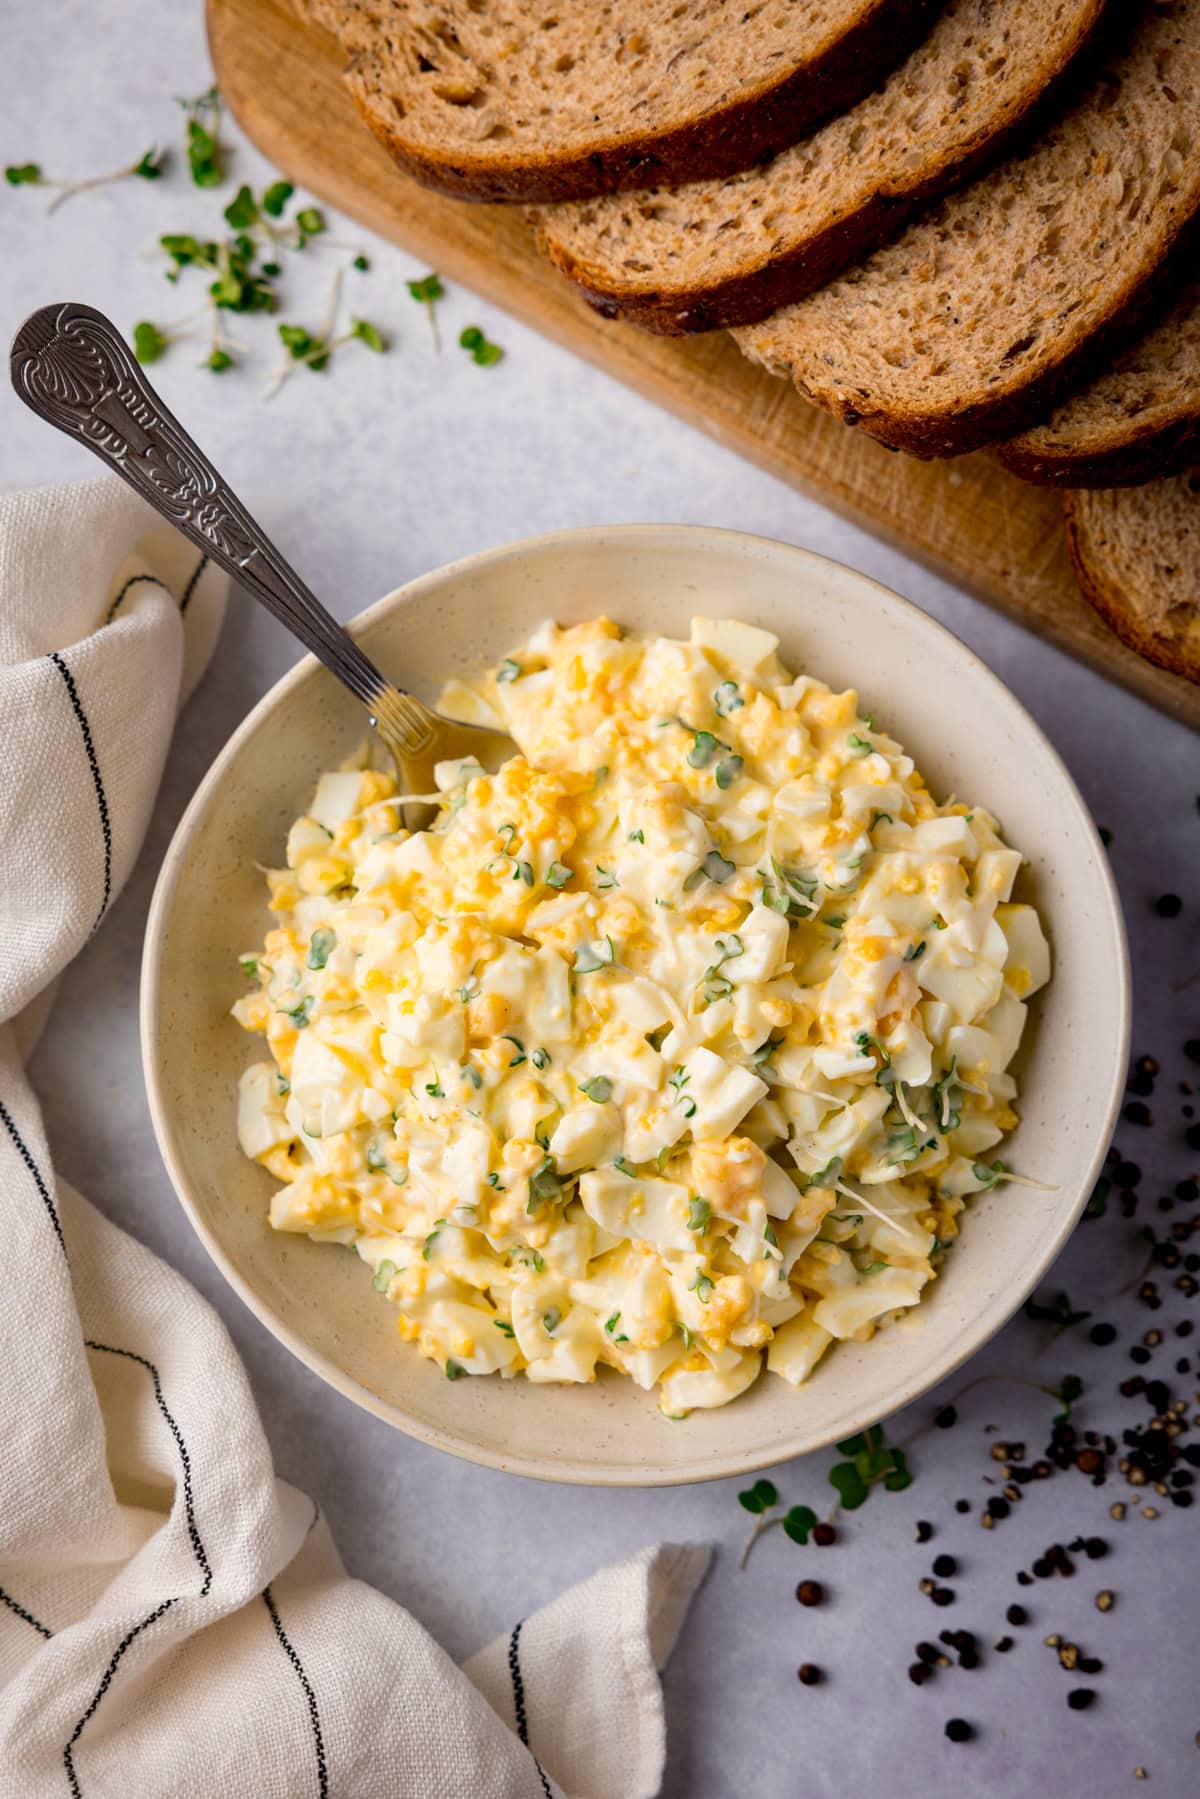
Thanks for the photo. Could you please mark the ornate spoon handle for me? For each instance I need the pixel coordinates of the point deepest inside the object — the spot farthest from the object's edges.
(71, 365)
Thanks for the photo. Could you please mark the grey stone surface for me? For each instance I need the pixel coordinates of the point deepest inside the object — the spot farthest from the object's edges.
(378, 470)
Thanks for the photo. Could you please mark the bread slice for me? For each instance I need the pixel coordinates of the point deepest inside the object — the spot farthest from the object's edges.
(533, 100)
(970, 325)
(1140, 421)
(729, 252)
(1136, 552)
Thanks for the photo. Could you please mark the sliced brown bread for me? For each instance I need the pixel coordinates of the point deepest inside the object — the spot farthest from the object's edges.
(1139, 421)
(729, 252)
(982, 313)
(519, 100)
(1136, 552)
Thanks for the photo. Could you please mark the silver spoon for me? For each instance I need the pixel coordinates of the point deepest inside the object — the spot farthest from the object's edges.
(72, 367)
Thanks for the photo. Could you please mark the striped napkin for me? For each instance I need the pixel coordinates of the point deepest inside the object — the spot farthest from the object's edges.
(174, 1620)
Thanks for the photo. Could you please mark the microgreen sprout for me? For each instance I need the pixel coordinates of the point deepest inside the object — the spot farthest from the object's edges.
(321, 947)
(699, 1213)
(149, 166)
(202, 138)
(481, 351)
(427, 292)
(727, 699)
(384, 1275)
(599, 1089)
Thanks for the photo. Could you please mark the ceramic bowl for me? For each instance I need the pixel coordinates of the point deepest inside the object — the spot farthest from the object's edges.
(968, 735)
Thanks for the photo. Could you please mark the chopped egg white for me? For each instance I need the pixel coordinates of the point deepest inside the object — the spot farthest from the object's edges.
(672, 1046)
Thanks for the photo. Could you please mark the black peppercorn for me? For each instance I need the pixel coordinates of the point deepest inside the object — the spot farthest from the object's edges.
(958, 1730)
(1168, 905)
(809, 1674)
(945, 1417)
(824, 1534)
(924, 1530)
(944, 1566)
(810, 1592)
(1079, 1698)
(1101, 1334)
(1016, 1614)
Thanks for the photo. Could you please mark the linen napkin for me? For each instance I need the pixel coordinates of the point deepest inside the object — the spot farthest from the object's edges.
(174, 1620)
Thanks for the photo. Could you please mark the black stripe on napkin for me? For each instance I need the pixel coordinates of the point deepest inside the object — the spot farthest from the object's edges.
(133, 581)
(93, 764)
(106, 1682)
(306, 1684)
(35, 1171)
(518, 1687)
(193, 583)
(13, 1606)
(185, 1459)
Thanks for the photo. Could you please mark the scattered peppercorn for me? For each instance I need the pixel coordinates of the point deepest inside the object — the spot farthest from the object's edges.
(958, 1730)
(1079, 1698)
(1102, 1334)
(1003, 1645)
(962, 1505)
(824, 1534)
(942, 1596)
(1168, 905)
(945, 1566)
(924, 1530)
(945, 1417)
(809, 1674)
(919, 1673)
(1105, 1601)
(1137, 1112)
(810, 1592)
(1016, 1614)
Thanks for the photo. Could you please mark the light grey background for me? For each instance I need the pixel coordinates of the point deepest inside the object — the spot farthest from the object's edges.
(372, 473)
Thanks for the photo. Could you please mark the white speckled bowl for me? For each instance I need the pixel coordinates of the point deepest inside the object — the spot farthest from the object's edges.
(968, 736)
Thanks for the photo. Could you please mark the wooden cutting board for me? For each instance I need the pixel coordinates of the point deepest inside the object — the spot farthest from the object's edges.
(968, 520)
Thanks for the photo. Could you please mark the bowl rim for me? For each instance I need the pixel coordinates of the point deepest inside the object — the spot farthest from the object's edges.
(567, 1471)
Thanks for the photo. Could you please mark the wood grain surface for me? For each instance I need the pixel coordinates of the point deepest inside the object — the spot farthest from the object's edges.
(968, 520)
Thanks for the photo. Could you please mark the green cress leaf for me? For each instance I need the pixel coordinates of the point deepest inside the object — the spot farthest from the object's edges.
(518, 1046)
(242, 211)
(850, 1489)
(859, 745)
(23, 174)
(717, 867)
(915, 951)
(759, 1498)
(383, 1276)
(509, 670)
(368, 334)
(544, 1184)
(249, 967)
(150, 165)
(428, 289)
(727, 699)
(798, 1521)
(472, 339)
(989, 1177)
(361, 263)
(728, 771)
(702, 1287)
(599, 1089)
(699, 1213)
(504, 1327)
(557, 875)
(852, 1445)
(322, 946)
(301, 1013)
(551, 1320)
(276, 197)
(218, 361)
(588, 960)
(431, 1239)
(310, 222)
(149, 342)
(454, 1370)
(540, 1058)
(704, 748)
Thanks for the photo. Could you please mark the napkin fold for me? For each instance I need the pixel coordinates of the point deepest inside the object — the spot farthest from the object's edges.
(174, 1620)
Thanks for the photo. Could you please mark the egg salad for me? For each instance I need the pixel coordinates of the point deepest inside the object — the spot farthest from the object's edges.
(675, 1045)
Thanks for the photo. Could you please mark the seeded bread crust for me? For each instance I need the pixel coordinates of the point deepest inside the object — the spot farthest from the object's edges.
(448, 122)
(982, 75)
(1140, 421)
(1136, 553)
(1009, 294)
